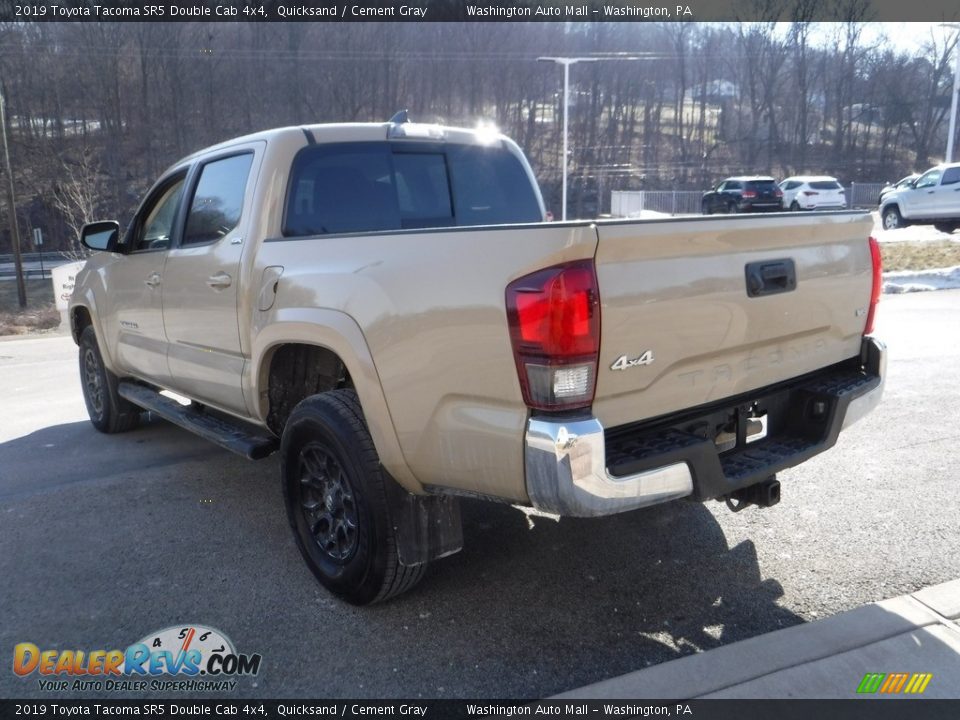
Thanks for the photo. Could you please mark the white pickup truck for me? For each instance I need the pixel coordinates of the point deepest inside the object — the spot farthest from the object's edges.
(931, 199)
(385, 306)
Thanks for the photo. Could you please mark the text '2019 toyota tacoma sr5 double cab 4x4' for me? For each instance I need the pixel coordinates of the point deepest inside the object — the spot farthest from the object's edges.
(384, 306)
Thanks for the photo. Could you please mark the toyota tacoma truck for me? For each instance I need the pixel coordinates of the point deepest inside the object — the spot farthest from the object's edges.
(385, 307)
(931, 199)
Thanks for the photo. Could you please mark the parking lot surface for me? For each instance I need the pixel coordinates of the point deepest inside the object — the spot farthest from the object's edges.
(104, 539)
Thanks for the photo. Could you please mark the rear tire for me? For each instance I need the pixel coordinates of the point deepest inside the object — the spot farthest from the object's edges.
(892, 219)
(794, 206)
(336, 500)
(108, 412)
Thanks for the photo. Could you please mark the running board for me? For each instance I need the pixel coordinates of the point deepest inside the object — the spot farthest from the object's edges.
(236, 436)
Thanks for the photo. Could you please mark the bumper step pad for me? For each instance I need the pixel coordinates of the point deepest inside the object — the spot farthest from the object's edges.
(805, 418)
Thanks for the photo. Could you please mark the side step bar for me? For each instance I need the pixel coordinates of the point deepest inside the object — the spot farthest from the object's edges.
(247, 440)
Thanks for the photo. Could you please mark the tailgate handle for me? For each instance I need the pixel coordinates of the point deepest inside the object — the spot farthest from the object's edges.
(770, 277)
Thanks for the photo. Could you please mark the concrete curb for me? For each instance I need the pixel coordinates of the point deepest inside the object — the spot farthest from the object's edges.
(915, 633)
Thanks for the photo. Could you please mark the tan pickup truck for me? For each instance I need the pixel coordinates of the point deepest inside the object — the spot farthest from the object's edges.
(385, 306)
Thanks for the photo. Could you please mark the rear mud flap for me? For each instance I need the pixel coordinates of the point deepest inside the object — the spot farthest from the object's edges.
(427, 527)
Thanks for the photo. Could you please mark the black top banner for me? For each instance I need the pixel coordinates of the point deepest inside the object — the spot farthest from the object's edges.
(477, 11)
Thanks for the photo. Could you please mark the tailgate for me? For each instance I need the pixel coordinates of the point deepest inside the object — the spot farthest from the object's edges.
(679, 329)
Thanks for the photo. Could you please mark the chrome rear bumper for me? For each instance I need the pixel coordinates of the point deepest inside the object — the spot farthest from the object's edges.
(566, 463)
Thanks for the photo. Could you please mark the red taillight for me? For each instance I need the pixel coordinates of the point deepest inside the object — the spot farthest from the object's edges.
(778, 193)
(749, 193)
(554, 319)
(877, 284)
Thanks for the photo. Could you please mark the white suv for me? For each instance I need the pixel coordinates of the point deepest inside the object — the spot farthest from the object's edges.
(813, 192)
(932, 199)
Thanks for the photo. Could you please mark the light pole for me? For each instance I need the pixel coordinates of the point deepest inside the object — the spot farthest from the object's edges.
(566, 62)
(12, 207)
(956, 92)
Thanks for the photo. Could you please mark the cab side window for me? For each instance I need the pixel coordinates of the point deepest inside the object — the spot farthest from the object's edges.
(218, 199)
(928, 179)
(155, 226)
(951, 176)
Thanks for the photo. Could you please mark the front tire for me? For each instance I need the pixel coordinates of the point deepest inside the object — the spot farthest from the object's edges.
(108, 412)
(705, 208)
(336, 500)
(892, 219)
(732, 208)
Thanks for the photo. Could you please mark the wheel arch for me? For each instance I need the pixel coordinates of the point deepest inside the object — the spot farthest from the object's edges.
(82, 313)
(328, 337)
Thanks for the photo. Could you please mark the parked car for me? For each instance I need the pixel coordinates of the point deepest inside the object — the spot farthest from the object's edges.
(384, 306)
(743, 194)
(813, 192)
(932, 199)
(901, 183)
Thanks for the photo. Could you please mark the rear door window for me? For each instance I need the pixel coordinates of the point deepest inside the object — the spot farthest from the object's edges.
(951, 176)
(218, 199)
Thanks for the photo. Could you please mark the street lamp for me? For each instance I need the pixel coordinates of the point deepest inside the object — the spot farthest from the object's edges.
(956, 92)
(566, 62)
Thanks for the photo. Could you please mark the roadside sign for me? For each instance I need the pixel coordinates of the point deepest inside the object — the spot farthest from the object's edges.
(37, 237)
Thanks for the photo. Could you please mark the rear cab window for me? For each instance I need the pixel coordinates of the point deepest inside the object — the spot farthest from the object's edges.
(384, 186)
(761, 185)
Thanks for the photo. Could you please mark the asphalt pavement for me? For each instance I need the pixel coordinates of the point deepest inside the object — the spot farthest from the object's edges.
(104, 539)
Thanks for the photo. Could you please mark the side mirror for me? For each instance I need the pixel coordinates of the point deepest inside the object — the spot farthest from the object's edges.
(102, 235)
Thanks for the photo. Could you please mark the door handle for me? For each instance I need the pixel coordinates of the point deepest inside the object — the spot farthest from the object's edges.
(220, 281)
(152, 280)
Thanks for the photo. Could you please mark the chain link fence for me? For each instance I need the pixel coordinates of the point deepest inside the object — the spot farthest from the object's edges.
(630, 203)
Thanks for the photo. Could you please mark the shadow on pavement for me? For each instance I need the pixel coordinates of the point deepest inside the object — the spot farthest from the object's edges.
(112, 537)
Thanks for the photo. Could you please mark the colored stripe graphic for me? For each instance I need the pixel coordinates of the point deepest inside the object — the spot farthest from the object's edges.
(894, 683)
(871, 682)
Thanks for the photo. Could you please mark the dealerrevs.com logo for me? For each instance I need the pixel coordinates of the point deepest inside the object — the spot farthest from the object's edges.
(178, 658)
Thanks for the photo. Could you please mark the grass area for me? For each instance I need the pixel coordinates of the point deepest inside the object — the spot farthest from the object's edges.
(920, 255)
(41, 311)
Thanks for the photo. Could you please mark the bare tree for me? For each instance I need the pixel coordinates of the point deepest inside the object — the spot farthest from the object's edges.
(75, 196)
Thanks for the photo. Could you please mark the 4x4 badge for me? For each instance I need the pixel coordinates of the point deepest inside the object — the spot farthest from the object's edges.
(623, 362)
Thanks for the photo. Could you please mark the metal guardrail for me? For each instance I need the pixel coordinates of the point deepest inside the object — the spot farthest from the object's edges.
(11, 274)
(54, 257)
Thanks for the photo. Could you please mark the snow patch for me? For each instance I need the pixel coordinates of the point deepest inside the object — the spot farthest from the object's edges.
(904, 281)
